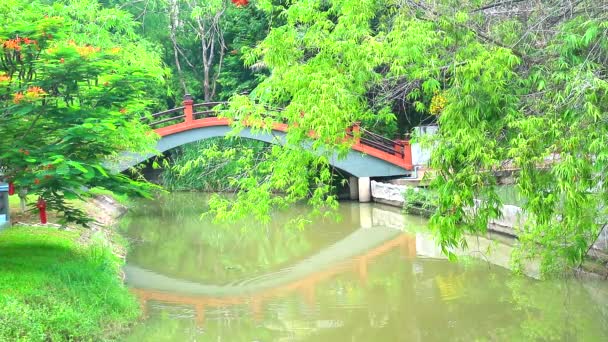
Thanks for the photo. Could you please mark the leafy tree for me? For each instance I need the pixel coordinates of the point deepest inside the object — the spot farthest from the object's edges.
(532, 98)
(74, 81)
(327, 61)
(523, 92)
(244, 27)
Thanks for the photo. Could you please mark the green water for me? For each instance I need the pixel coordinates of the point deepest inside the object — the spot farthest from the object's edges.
(373, 275)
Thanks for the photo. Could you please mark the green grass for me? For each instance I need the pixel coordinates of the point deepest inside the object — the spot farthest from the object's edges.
(52, 289)
(15, 202)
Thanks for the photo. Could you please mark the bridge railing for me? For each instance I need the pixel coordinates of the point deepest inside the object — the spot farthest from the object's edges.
(165, 118)
(205, 110)
(186, 113)
(382, 143)
(399, 148)
(190, 112)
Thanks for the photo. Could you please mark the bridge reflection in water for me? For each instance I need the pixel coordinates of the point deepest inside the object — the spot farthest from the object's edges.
(381, 231)
(406, 243)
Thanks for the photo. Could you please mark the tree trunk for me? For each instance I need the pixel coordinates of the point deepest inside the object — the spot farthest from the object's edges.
(23, 199)
(173, 25)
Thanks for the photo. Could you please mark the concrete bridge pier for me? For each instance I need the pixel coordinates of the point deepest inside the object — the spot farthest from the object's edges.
(364, 189)
(360, 189)
(353, 187)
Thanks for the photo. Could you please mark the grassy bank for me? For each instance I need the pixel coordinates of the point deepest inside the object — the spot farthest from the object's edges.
(54, 286)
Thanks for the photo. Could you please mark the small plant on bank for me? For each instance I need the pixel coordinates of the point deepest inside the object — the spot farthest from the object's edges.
(419, 201)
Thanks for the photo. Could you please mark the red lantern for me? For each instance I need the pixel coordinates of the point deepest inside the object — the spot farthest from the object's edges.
(41, 205)
(11, 189)
(240, 3)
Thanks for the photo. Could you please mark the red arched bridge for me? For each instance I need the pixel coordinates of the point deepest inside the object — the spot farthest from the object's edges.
(370, 155)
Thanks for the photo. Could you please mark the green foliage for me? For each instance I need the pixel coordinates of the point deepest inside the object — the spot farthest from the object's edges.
(211, 165)
(538, 109)
(320, 66)
(69, 105)
(244, 27)
(469, 149)
(325, 61)
(53, 289)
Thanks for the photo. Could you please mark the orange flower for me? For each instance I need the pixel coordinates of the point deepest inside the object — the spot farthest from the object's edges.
(123, 110)
(37, 181)
(17, 98)
(62, 60)
(4, 78)
(13, 44)
(34, 93)
(240, 3)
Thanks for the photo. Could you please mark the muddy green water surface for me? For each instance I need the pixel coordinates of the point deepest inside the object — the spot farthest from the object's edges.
(374, 275)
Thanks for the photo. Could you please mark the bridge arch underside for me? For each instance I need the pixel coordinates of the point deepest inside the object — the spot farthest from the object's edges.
(355, 163)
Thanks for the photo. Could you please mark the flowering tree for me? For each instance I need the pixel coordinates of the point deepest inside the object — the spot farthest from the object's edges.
(67, 105)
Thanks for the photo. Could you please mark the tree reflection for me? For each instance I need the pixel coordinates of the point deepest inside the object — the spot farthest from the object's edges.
(555, 310)
(174, 240)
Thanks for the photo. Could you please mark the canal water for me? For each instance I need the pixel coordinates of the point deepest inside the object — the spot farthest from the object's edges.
(366, 274)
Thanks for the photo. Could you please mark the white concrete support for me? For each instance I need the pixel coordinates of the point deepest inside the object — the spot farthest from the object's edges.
(389, 192)
(365, 189)
(353, 186)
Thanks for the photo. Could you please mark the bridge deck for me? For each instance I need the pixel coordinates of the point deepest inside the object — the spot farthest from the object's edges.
(205, 115)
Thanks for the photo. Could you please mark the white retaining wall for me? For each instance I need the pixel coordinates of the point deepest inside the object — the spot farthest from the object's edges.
(511, 215)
